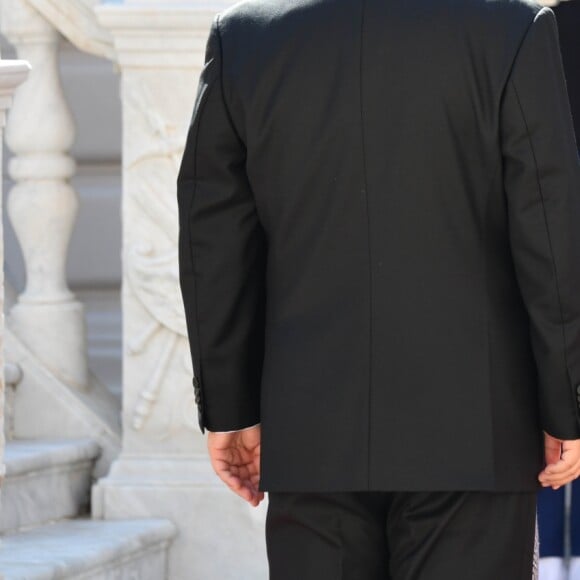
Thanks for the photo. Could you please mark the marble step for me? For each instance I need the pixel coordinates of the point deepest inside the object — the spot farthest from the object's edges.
(83, 549)
(45, 480)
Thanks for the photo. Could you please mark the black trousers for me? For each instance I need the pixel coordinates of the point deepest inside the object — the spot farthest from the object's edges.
(400, 536)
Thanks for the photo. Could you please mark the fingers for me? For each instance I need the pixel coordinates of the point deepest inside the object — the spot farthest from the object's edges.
(563, 462)
(237, 464)
(250, 493)
(562, 467)
(559, 473)
(246, 489)
(565, 474)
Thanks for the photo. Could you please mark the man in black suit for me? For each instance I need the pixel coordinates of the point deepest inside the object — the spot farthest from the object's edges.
(379, 208)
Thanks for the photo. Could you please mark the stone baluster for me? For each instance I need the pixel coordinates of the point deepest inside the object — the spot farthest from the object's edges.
(42, 204)
(12, 73)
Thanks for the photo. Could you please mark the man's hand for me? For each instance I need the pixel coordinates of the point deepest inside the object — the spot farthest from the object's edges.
(562, 462)
(235, 457)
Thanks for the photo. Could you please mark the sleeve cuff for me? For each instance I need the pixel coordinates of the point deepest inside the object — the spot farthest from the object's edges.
(234, 430)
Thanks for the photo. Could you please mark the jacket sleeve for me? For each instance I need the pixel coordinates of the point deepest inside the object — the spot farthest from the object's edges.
(541, 172)
(222, 259)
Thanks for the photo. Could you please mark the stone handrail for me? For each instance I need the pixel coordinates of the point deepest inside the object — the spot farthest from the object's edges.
(76, 21)
(12, 74)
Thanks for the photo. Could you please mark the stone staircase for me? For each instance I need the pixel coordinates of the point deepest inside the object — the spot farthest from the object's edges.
(88, 550)
(46, 529)
(45, 480)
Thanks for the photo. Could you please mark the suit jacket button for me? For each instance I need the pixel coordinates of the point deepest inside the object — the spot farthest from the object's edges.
(196, 384)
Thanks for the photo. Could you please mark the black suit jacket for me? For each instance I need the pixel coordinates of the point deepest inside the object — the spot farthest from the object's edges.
(380, 241)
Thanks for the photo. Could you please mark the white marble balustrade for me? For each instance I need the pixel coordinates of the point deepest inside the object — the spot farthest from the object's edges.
(42, 205)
